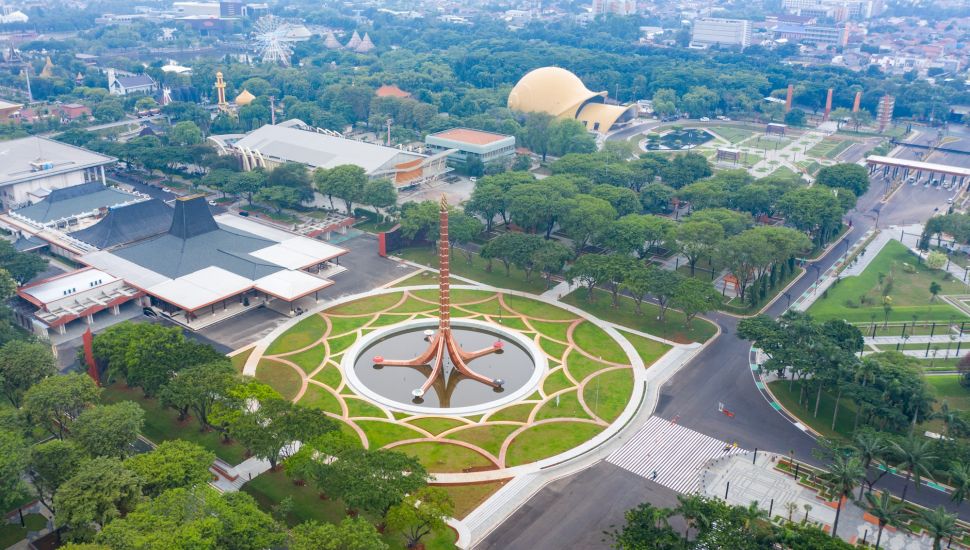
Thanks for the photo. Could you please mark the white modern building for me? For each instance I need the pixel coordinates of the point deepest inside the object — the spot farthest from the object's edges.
(486, 146)
(713, 31)
(295, 141)
(32, 167)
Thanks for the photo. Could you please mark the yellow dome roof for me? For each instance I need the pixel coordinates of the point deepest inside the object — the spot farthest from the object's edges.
(551, 90)
(245, 98)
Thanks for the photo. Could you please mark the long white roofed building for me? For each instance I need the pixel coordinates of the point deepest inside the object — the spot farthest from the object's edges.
(295, 141)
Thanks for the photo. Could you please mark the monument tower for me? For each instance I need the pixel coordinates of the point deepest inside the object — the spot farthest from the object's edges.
(443, 345)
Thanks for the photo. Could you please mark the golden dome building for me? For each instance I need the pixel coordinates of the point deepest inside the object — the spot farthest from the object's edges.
(243, 99)
(562, 94)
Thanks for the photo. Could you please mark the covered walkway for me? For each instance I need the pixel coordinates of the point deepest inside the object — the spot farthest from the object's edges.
(897, 167)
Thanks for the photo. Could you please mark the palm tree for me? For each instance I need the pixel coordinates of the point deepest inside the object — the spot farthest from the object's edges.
(844, 474)
(914, 454)
(960, 480)
(952, 419)
(885, 509)
(940, 524)
(869, 446)
(692, 509)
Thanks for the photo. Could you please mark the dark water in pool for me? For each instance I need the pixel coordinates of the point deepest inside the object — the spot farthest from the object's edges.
(513, 364)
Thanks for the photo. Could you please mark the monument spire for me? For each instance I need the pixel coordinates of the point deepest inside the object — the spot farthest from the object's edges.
(443, 343)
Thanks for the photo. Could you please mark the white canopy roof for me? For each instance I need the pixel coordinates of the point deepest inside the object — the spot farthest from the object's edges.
(290, 285)
(201, 288)
(132, 273)
(298, 253)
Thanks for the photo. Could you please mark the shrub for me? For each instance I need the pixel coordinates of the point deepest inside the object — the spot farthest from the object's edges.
(935, 260)
(851, 304)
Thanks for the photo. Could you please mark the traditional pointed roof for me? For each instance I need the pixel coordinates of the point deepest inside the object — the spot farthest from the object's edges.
(48, 70)
(331, 42)
(245, 98)
(391, 90)
(354, 41)
(365, 45)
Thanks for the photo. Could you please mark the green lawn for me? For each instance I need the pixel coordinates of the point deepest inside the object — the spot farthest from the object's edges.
(784, 171)
(272, 487)
(35, 522)
(468, 497)
(673, 329)
(10, 534)
(161, 424)
(649, 350)
(948, 387)
(282, 377)
(301, 335)
(476, 270)
(546, 440)
(823, 423)
(733, 134)
(910, 291)
(418, 279)
(239, 360)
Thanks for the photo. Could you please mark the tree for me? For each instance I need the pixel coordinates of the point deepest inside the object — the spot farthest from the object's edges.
(195, 517)
(346, 182)
(665, 102)
(56, 401)
(420, 513)
(486, 201)
(585, 218)
(536, 133)
(590, 271)
(663, 285)
(638, 234)
(279, 196)
(198, 388)
(268, 431)
(549, 258)
(474, 167)
(21, 266)
(692, 509)
(646, 527)
(380, 193)
(247, 183)
(23, 364)
(795, 117)
(52, 463)
(185, 133)
(350, 534)
(814, 210)
(14, 459)
(960, 481)
(109, 430)
(849, 176)
(696, 239)
(636, 283)
(624, 201)
(913, 455)
(940, 524)
(176, 463)
(102, 489)
(693, 297)
(886, 511)
(935, 289)
(656, 197)
(293, 175)
(843, 474)
(108, 110)
(371, 481)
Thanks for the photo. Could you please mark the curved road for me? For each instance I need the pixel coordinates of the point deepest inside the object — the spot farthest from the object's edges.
(579, 508)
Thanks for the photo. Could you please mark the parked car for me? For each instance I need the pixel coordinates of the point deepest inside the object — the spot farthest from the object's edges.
(704, 119)
(244, 213)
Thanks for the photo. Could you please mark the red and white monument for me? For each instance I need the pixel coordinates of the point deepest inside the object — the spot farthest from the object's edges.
(443, 345)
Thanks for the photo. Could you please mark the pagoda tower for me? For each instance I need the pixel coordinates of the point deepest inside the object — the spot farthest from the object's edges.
(443, 342)
(221, 92)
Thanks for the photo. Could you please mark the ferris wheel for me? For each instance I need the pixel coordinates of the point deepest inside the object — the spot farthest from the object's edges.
(269, 35)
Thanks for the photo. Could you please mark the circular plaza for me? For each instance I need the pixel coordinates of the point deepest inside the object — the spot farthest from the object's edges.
(580, 380)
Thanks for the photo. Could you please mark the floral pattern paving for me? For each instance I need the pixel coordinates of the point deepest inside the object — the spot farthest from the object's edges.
(588, 384)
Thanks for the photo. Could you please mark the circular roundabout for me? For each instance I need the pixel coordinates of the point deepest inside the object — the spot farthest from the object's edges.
(564, 383)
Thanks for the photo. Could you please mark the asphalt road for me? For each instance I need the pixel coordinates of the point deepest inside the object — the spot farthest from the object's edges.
(720, 373)
(559, 516)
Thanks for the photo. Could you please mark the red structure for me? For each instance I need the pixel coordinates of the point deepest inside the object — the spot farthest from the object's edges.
(857, 103)
(788, 98)
(443, 343)
(88, 340)
(828, 105)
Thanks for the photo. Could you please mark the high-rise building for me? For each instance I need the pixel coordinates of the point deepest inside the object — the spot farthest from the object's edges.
(614, 7)
(711, 31)
(231, 8)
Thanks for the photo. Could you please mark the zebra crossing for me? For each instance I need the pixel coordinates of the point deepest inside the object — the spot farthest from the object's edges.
(677, 454)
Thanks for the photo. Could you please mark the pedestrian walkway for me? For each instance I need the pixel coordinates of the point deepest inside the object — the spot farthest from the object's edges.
(758, 481)
(670, 454)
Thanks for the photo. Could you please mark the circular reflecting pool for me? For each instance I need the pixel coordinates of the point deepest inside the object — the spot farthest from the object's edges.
(514, 365)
